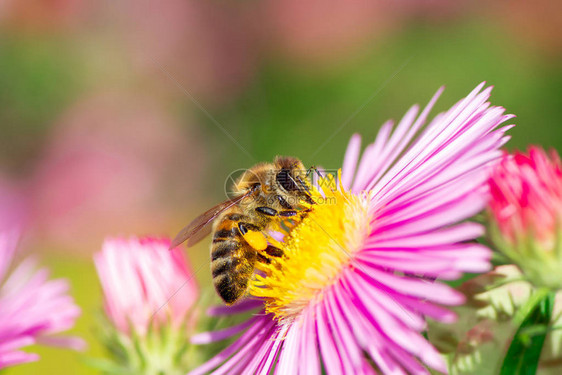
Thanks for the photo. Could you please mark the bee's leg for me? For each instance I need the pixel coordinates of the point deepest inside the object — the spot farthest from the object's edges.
(245, 227)
(267, 211)
(262, 258)
(284, 203)
(272, 212)
(269, 252)
(291, 213)
(274, 251)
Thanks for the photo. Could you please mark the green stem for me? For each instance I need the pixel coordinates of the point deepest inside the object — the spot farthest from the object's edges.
(522, 357)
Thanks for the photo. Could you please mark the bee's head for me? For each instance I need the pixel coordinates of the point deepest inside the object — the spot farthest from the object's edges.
(291, 176)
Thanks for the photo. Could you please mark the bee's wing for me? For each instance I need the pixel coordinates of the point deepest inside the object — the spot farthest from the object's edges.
(200, 227)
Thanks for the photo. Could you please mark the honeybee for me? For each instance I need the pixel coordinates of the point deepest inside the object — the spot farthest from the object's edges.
(264, 193)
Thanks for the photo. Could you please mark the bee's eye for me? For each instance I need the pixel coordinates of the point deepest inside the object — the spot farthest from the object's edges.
(285, 179)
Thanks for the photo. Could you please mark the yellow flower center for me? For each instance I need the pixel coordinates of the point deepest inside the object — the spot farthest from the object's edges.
(316, 250)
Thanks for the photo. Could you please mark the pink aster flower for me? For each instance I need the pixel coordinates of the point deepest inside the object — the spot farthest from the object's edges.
(353, 289)
(527, 194)
(139, 277)
(149, 294)
(526, 213)
(32, 307)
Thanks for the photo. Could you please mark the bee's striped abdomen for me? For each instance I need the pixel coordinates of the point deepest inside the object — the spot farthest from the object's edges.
(232, 259)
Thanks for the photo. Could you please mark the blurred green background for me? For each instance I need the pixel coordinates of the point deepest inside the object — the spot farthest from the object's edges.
(121, 118)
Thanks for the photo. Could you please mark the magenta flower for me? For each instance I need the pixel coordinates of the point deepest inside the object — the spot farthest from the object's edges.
(150, 293)
(526, 213)
(32, 307)
(527, 194)
(106, 163)
(354, 287)
(139, 277)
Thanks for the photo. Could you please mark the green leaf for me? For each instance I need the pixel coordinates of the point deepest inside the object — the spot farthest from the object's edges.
(523, 355)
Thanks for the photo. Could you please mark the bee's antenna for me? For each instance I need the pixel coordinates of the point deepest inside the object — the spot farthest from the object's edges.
(303, 185)
(313, 168)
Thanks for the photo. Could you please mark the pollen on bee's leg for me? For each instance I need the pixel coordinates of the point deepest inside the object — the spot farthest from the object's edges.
(256, 240)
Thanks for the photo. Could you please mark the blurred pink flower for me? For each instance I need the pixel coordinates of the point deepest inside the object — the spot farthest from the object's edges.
(145, 284)
(436, 10)
(32, 307)
(13, 212)
(355, 294)
(44, 15)
(535, 22)
(208, 47)
(527, 195)
(317, 29)
(116, 162)
(526, 214)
